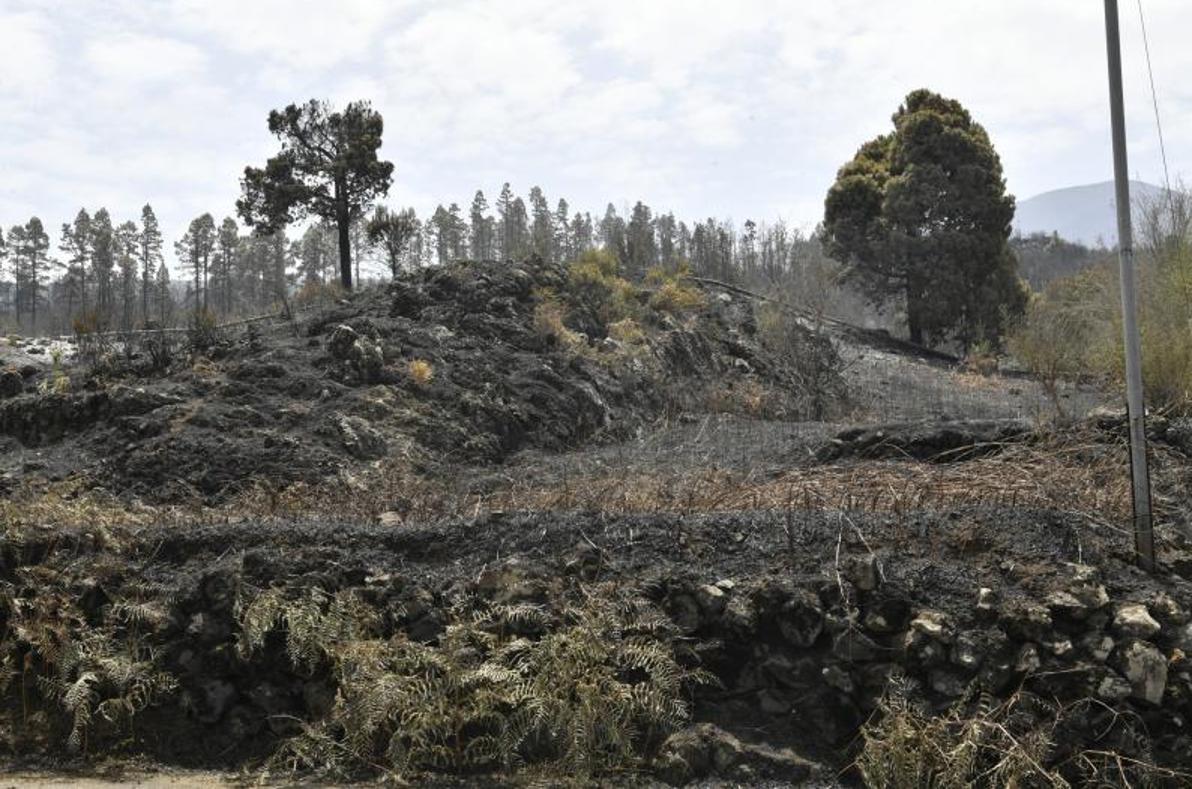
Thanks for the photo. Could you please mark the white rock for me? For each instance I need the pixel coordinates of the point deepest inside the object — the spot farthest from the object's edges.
(1132, 620)
(932, 624)
(1146, 668)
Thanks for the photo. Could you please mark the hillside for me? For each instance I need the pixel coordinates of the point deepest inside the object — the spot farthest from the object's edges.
(1086, 214)
(505, 521)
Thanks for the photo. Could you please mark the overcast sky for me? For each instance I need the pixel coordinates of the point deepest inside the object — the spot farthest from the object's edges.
(740, 109)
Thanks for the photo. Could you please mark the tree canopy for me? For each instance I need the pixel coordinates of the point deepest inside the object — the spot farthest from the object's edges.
(327, 167)
(922, 214)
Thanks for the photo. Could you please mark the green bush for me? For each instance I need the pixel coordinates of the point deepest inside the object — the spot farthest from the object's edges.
(673, 291)
(594, 281)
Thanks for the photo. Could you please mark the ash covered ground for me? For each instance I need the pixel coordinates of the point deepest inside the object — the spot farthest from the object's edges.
(423, 531)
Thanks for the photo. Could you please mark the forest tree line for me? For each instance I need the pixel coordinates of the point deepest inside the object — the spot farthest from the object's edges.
(102, 275)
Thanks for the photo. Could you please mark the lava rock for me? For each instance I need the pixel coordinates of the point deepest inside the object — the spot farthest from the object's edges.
(1132, 620)
(1146, 669)
(11, 383)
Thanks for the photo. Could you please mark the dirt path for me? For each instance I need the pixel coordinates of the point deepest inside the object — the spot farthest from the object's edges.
(123, 778)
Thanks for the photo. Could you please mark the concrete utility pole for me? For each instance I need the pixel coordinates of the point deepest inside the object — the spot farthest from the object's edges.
(1144, 536)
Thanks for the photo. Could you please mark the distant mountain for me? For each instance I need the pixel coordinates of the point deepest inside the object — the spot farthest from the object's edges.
(1086, 214)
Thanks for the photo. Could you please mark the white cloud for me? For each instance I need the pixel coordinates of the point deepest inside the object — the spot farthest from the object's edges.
(136, 61)
(28, 65)
(302, 34)
(709, 108)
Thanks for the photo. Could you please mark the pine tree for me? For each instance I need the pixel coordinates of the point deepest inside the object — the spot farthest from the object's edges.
(921, 215)
(639, 241)
(748, 257)
(150, 244)
(393, 233)
(481, 240)
(612, 234)
(505, 221)
(327, 167)
(76, 245)
(126, 238)
(458, 233)
(666, 232)
(3, 261)
(542, 230)
(316, 253)
(440, 222)
(102, 262)
(165, 306)
(194, 250)
(30, 261)
(223, 267)
(564, 251)
(519, 231)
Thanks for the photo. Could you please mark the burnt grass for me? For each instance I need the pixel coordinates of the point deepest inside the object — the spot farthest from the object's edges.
(299, 402)
(804, 610)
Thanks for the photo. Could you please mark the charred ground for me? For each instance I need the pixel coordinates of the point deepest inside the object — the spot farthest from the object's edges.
(217, 555)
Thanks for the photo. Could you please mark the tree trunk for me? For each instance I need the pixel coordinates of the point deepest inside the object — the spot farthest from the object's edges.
(343, 223)
(914, 317)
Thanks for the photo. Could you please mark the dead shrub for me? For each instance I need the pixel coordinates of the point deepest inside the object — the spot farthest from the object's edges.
(420, 371)
(597, 691)
(981, 741)
(204, 331)
(807, 358)
(313, 294)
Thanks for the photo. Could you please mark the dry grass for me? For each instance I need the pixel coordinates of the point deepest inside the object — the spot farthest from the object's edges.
(420, 371)
(1083, 475)
(70, 504)
(1070, 476)
(981, 741)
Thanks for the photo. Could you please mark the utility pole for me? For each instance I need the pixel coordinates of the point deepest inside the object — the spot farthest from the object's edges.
(1144, 536)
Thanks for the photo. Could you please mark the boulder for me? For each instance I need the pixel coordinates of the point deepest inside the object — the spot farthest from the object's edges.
(1114, 688)
(705, 751)
(11, 383)
(1026, 620)
(359, 439)
(1146, 669)
(801, 618)
(855, 647)
(1167, 611)
(1132, 620)
(343, 337)
(1097, 646)
(934, 625)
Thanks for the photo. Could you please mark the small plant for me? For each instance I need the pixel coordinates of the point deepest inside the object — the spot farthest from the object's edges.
(627, 331)
(981, 358)
(549, 313)
(58, 382)
(420, 371)
(674, 293)
(88, 331)
(594, 281)
(204, 330)
(676, 298)
(160, 349)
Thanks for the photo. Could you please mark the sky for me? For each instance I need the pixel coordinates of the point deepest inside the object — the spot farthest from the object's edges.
(735, 110)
